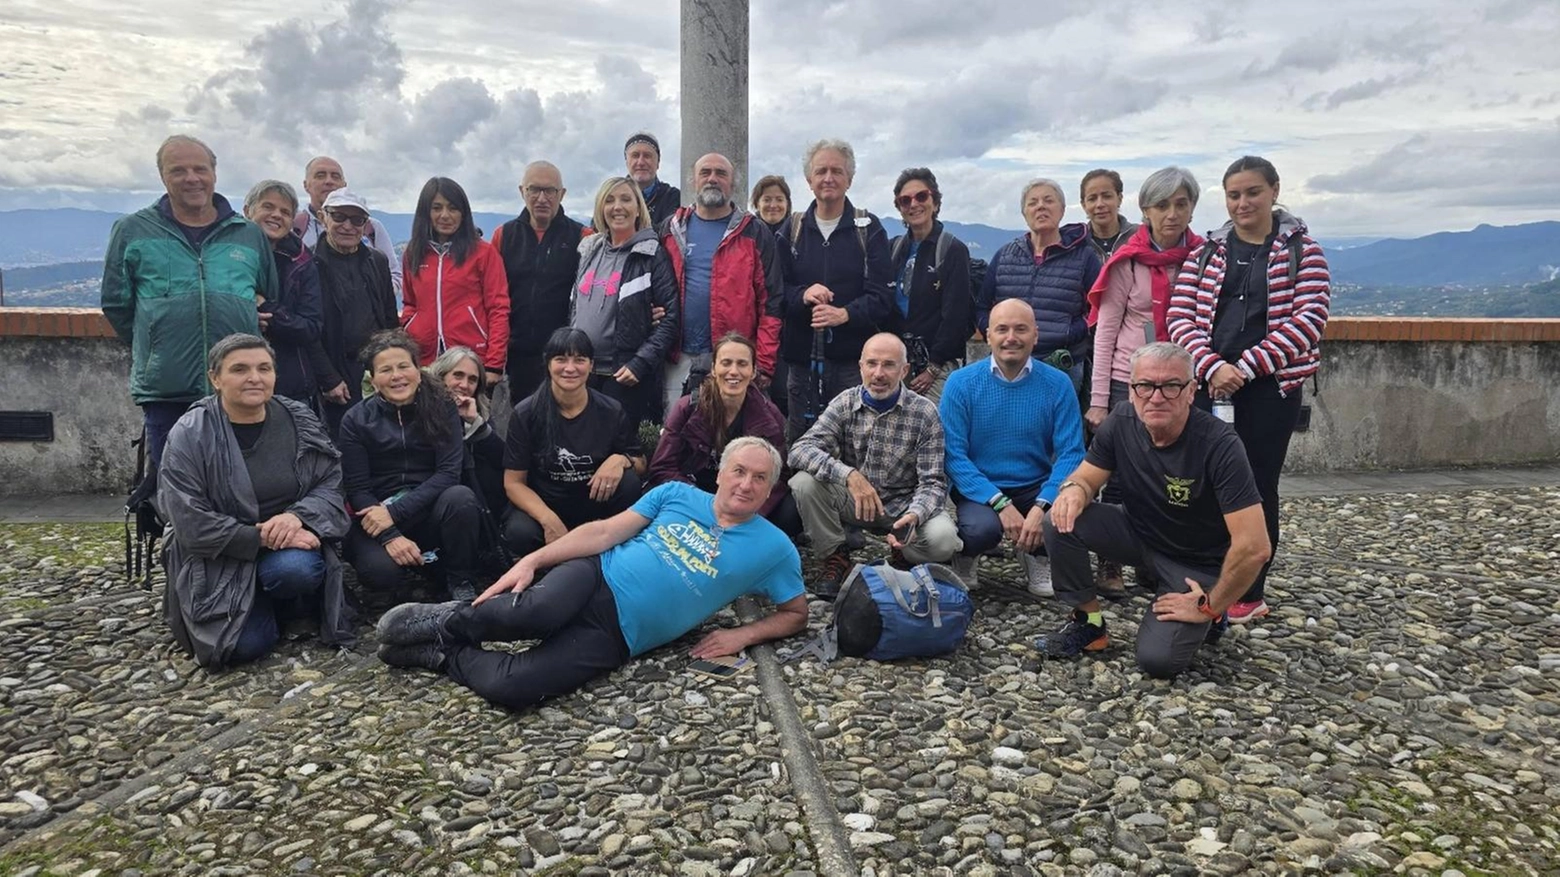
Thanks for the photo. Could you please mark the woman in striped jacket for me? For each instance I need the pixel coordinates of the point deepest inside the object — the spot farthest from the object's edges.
(1250, 305)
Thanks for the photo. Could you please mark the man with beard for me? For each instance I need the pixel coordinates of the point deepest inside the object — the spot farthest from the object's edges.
(874, 460)
(728, 273)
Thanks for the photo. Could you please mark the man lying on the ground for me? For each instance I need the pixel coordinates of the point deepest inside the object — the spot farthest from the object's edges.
(616, 589)
(1190, 513)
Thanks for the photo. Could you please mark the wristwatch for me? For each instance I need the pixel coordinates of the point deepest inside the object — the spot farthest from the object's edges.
(1206, 608)
(1071, 483)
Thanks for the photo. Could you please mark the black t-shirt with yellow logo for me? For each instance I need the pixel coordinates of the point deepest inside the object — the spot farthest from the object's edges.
(1176, 497)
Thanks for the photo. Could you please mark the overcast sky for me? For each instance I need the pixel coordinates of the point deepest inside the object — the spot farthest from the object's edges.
(1397, 117)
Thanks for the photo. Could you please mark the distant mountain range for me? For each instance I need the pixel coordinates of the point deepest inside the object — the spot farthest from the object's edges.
(54, 257)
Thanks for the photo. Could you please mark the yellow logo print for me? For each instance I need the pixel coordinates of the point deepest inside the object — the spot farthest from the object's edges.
(1179, 490)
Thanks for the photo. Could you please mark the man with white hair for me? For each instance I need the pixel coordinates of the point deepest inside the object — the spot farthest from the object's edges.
(616, 589)
(837, 285)
(321, 176)
(1190, 514)
(728, 271)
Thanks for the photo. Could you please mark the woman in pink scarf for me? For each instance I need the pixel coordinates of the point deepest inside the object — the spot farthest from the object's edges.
(1128, 302)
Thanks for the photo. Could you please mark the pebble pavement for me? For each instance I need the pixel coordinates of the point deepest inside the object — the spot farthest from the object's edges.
(1398, 713)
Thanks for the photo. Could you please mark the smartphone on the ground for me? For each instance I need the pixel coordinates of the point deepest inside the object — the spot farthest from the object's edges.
(720, 668)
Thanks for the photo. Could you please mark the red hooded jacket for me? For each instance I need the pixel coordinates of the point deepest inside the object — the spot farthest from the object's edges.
(745, 281)
(447, 305)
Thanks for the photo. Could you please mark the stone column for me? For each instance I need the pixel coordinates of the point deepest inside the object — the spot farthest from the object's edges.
(715, 89)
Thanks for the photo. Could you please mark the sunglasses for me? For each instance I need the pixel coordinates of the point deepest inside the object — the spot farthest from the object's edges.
(356, 220)
(920, 197)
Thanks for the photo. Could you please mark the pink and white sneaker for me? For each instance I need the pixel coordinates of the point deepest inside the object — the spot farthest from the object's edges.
(1240, 613)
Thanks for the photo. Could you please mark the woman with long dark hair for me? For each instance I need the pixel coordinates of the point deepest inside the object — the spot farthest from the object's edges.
(1250, 305)
(726, 407)
(401, 454)
(455, 292)
(572, 453)
(771, 202)
(624, 274)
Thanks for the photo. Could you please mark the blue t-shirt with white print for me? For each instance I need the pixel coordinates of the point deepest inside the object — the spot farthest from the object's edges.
(681, 569)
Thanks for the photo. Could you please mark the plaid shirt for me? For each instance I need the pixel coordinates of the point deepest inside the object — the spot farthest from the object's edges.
(900, 452)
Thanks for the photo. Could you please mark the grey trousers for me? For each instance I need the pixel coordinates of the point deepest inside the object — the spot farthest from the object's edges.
(1164, 648)
(826, 508)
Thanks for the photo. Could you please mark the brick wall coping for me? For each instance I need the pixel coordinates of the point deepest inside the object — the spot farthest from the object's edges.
(89, 323)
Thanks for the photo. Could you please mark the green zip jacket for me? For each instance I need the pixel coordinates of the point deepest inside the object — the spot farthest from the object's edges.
(171, 302)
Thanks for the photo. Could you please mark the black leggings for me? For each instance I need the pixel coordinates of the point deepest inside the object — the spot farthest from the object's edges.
(453, 527)
(1265, 421)
(571, 610)
(523, 534)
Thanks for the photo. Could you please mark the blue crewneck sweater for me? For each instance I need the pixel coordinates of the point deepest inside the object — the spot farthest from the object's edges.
(1004, 436)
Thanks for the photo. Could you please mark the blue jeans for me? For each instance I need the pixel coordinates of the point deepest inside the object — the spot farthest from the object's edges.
(282, 578)
(981, 528)
(159, 418)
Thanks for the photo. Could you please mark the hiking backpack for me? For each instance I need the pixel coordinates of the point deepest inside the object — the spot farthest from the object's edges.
(884, 614)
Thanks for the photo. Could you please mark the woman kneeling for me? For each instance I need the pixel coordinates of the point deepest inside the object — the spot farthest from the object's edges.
(401, 455)
(251, 487)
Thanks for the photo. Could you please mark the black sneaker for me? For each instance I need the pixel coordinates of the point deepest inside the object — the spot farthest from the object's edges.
(427, 656)
(835, 568)
(1073, 638)
(411, 623)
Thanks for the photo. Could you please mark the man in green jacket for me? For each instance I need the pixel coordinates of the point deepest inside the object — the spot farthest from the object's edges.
(179, 276)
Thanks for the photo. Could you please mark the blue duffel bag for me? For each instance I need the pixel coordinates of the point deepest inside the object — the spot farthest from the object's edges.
(884, 613)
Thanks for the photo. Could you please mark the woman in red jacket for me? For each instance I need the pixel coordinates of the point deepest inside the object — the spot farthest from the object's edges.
(455, 292)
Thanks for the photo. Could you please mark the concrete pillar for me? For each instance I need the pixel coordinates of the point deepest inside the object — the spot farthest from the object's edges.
(715, 88)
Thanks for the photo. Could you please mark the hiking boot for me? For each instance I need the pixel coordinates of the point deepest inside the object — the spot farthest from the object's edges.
(835, 568)
(1073, 638)
(896, 559)
(428, 656)
(965, 569)
(1242, 613)
(1217, 630)
(463, 590)
(1037, 571)
(1108, 582)
(411, 623)
(855, 540)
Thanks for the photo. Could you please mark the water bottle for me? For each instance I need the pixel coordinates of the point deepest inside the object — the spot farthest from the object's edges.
(1224, 409)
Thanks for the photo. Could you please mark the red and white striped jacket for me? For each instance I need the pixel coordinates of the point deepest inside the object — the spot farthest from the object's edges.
(1296, 313)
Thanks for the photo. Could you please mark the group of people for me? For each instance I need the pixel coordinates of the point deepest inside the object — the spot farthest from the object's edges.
(807, 372)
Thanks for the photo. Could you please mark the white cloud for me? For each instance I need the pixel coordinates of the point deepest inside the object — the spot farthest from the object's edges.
(1374, 114)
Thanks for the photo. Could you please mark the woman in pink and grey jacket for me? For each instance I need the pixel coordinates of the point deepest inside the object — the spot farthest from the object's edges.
(1250, 305)
(455, 292)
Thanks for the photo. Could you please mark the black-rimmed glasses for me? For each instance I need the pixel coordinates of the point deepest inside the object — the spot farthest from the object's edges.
(1170, 389)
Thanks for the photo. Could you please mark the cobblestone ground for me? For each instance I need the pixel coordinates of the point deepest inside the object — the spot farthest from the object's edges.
(1398, 713)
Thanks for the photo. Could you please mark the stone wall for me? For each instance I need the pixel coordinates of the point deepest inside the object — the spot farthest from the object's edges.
(1395, 394)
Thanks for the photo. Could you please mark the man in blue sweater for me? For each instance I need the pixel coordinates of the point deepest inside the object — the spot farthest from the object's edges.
(1013, 432)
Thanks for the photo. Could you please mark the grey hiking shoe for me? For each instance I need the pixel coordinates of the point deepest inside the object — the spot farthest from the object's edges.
(427, 656)
(411, 623)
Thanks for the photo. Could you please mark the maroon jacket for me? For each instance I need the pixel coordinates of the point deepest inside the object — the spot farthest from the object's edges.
(687, 443)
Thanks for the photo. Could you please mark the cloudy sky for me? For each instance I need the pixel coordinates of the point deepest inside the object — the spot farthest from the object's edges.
(1398, 117)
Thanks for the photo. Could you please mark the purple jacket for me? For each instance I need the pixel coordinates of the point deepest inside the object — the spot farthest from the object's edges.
(687, 445)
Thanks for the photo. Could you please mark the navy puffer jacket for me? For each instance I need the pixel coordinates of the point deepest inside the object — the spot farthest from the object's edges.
(1057, 288)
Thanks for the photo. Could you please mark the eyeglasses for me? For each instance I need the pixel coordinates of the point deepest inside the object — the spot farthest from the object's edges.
(920, 197)
(548, 192)
(356, 220)
(1170, 389)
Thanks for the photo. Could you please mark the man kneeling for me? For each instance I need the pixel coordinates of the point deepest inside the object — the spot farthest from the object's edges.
(616, 589)
(1191, 514)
